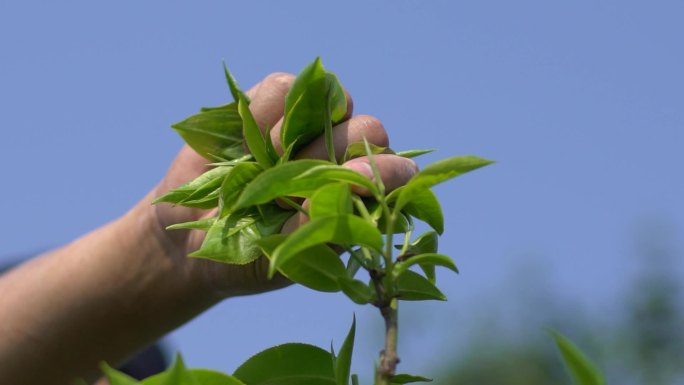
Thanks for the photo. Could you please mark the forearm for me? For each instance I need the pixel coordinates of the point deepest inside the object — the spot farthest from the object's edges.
(99, 298)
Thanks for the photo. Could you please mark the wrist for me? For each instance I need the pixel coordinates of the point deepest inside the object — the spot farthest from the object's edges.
(165, 254)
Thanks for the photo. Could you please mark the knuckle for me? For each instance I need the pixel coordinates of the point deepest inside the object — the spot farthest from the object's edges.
(373, 130)
(278, 80)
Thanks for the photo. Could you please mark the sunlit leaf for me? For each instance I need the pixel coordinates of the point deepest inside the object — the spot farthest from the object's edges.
(414, 287)
(425, 206)
(216, 131)
(425, 259)
(331, 199)
(344, 358)
(436, 173)
(296, 178)
(582, 371)
(196, 190)
(232, 239)
(288, 364)
(235, 182)
(339, 229)
(305, 106)
(178, 374)
(232, 84)
(253, 135)
(317, 267)
(424, 244)
(337, 98)
(413, 153)
(357, 149)
(201, 224)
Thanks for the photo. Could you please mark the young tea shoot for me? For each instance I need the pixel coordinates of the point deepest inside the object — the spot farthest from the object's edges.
(347, 245)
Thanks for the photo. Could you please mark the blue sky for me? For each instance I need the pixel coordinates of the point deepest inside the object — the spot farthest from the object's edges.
(580, 103)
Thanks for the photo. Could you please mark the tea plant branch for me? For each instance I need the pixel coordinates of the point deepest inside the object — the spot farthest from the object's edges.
(389, 358)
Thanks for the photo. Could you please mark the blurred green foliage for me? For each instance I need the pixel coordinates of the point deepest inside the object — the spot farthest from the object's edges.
(642, 344)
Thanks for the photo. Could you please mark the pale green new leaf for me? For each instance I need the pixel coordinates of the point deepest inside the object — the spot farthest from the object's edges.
(436, 173)
(288, 364)
(178, 374)
(357, 149)
(413, 153)
(414, 287)
(278, 181)
(201, 192)
(253, 135)
(233, 239)
(331, 199)
(425, 206)
(344, 358)
(582, 371)
(424, 244)
(235, 182)
(232, 84)
(298, 178)
(317, 267)
(201, 224)
(305, 106)
(337, 98)
(425, 259)
(340, 229)
(214, 132)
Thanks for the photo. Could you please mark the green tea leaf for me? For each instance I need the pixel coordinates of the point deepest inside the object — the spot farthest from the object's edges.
(193, 193)
(305, 106)
(337, 98)
(253, 135)
(357, 149)
(202, 224)
(413, 153)
(414, 287)
(425, 244)
(178, 374)
(408, 378)
(331, 199)
(235, 182)
(288, 364)
(115, 377)
(425, 259)
(296, 178)
(436, 173)
(330, 172)
(343, 360)
(226, 106)
(214, 132)
(232, 84)
(356, 290)
(582, 371)
(425, 206)
(233, 239)
(339, 229)
(317, 267)
(277, 181)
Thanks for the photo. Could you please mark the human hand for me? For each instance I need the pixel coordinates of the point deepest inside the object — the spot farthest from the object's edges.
(267, 106)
